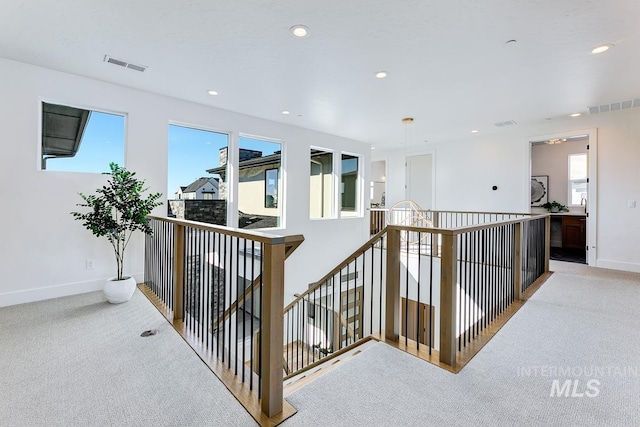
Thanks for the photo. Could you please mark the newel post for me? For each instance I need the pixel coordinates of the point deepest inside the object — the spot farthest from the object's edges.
(392, 302)
(178, 271)
(517, 261)
(271, 333)
(448, 298)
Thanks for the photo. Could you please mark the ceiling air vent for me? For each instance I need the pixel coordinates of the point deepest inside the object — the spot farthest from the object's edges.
(125, 64)
(615, 106)
(503, 124)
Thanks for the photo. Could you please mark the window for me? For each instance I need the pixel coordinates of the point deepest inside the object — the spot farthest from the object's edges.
(321, 184)
(349, 193)
(577, 178)
(259, 183)
(197, 170)
(78, 140)
(271, 188)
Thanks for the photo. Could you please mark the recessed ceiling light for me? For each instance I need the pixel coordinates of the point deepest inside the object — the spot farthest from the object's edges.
(212, 92)
(381, 74)
(285, 112)
(576, 114)
(602, 48)
(373, 148)
(474, 131)
(299, 31)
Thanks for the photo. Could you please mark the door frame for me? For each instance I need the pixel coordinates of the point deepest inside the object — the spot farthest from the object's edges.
(415, 153)
(592, 187)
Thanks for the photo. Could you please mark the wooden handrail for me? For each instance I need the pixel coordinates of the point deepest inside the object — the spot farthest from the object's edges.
(340, 266)
(488, 213)
(464, 229)
(448, 353)
(265, 403)
(256, 236)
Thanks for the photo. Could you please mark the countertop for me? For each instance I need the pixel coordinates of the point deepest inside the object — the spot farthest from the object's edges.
(572, 212)
(568, 214)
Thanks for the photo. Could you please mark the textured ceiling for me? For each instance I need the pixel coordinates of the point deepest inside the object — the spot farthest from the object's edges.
(448, 63)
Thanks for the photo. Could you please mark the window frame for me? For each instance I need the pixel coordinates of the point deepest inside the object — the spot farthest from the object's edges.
(204, 128)
(266, 186)
(359, 196)
(125, 129)
(571, 182)
(282, 175)
(333, 196)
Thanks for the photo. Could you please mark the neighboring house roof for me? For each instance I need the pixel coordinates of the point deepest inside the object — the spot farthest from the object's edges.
(249, 221)
(195, 185)
(272, 159)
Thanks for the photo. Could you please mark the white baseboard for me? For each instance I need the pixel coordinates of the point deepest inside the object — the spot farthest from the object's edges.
(49, 292)
(616, 265)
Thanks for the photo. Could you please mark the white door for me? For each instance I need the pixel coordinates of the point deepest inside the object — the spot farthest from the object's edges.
(419, 186)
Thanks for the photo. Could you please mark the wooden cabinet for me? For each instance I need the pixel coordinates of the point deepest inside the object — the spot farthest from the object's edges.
(574, 235)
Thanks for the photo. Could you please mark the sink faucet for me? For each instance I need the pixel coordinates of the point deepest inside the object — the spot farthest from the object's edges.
(583, 202)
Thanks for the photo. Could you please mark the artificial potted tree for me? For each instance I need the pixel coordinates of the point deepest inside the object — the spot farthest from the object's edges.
(118, 209)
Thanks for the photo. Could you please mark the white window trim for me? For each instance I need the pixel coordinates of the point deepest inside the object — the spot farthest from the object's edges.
(124, 114)
(577, 180)
(358, 213)
(333, 214)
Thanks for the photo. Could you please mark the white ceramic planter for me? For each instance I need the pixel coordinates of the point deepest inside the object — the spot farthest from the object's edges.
(118, 291)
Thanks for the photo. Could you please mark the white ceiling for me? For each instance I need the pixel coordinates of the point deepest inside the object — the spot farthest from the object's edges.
(448, 63)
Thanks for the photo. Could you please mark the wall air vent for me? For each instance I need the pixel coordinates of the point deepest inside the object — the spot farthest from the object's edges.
(614, 106)
(503, 124)
(125, 64)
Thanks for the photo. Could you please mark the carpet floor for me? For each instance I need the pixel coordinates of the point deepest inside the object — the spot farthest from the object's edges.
(579, 329)
(79, 361)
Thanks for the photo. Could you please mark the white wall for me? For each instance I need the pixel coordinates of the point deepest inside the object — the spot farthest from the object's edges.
(44, 249)
(467, 169)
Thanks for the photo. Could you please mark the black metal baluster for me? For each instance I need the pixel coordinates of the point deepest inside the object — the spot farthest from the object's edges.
(419, 327)
(227, 286)
(260, 321)
(406, 293)
(207, 313)
(237, 286)
(381, 284)
(346, 314)
(371, 302)
(340, 307)
(253, 278)
(244, 305)
(220, 298)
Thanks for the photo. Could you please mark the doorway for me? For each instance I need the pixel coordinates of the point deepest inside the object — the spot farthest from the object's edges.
(419, 180)
(563, 169)
(410, 328)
